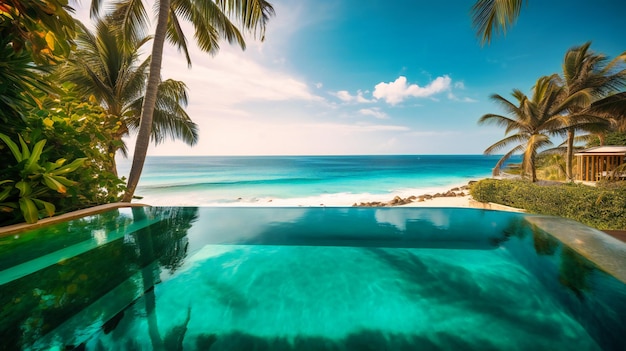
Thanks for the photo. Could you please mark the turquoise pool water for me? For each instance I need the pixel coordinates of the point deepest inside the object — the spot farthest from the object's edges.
(186, 278)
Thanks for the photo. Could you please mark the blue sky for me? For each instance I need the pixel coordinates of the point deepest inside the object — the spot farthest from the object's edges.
(377, 77)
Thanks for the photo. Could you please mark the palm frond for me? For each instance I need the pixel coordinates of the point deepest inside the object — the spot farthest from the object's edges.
(507, 105)
(94, 8)
(612, 105)
(130, 18)
(491, 17)
(501, 144)
(219, 25)
(252, 14)
(176, 36)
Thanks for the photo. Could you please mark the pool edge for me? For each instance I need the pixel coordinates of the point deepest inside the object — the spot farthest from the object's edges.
(21, 227)
(604, 250)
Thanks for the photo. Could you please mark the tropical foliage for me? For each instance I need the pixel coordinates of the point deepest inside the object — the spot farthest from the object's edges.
(66, 128)
(76, 128)
(111, 72)
(491, 17)
(593, 78)
(587, 98)
(21, 81)
(600, 207)
(211, 20)
(42, 28)
(27, 184)
(33, 34)
(530, 121)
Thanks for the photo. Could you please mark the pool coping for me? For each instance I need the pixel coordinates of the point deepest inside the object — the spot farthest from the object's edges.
(602, 249)
(20, 227)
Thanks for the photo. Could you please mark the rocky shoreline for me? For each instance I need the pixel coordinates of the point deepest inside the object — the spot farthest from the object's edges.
(399, 201)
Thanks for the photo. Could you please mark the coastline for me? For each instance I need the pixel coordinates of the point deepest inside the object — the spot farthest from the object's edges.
(309, 181)
(449, 196)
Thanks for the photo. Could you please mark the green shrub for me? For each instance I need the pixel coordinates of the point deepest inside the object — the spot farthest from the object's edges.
(31, 180)
(602, 206)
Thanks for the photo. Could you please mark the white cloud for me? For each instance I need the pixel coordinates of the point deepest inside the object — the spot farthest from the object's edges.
(453, 97)
(233, 77)
(345, 96)
(375, 112)
(395, 92)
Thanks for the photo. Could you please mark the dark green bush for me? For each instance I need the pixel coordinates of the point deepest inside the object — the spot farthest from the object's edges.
(602, 206)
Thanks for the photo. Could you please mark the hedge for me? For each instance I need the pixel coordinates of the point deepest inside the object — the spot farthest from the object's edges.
(602, 206)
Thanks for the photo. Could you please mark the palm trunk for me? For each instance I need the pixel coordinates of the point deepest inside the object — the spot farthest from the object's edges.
(533, 169)
(149, 102)
(569, 159)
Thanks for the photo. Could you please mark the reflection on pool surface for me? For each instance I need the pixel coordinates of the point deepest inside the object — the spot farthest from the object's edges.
(304, 279)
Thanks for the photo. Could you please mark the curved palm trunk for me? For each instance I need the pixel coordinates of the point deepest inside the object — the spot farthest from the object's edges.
(149, 102)
(569, 159)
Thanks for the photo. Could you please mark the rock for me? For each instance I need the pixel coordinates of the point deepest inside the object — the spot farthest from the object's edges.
(455, 189)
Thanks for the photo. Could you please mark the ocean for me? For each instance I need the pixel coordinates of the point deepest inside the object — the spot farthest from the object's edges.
(301, 180)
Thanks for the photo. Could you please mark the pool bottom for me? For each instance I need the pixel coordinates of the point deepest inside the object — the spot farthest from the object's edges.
(245, 297)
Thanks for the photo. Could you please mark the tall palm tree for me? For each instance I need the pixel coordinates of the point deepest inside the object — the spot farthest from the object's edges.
(109, 69)
(531, 119)
(592, 78)
(211, 21)
(489, 16)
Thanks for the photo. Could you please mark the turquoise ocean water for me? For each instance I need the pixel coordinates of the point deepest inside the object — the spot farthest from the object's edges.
(302, 180)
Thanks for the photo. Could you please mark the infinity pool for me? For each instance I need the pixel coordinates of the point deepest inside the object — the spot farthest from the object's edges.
(185, 278)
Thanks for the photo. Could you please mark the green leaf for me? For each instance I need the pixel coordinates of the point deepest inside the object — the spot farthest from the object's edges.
(5, 193)
(25, 149)
(15, 150)
(24, 188)
(54, 184)
(70, 167)
(47, 206)
(29, 210)
(33, 160)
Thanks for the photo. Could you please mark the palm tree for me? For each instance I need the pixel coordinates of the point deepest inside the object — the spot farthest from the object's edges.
(211, 21)
(110, 70)
(489, 16)
(532, 119)
(589, 76)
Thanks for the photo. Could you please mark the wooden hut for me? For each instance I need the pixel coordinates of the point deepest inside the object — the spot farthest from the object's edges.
(599, 162)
